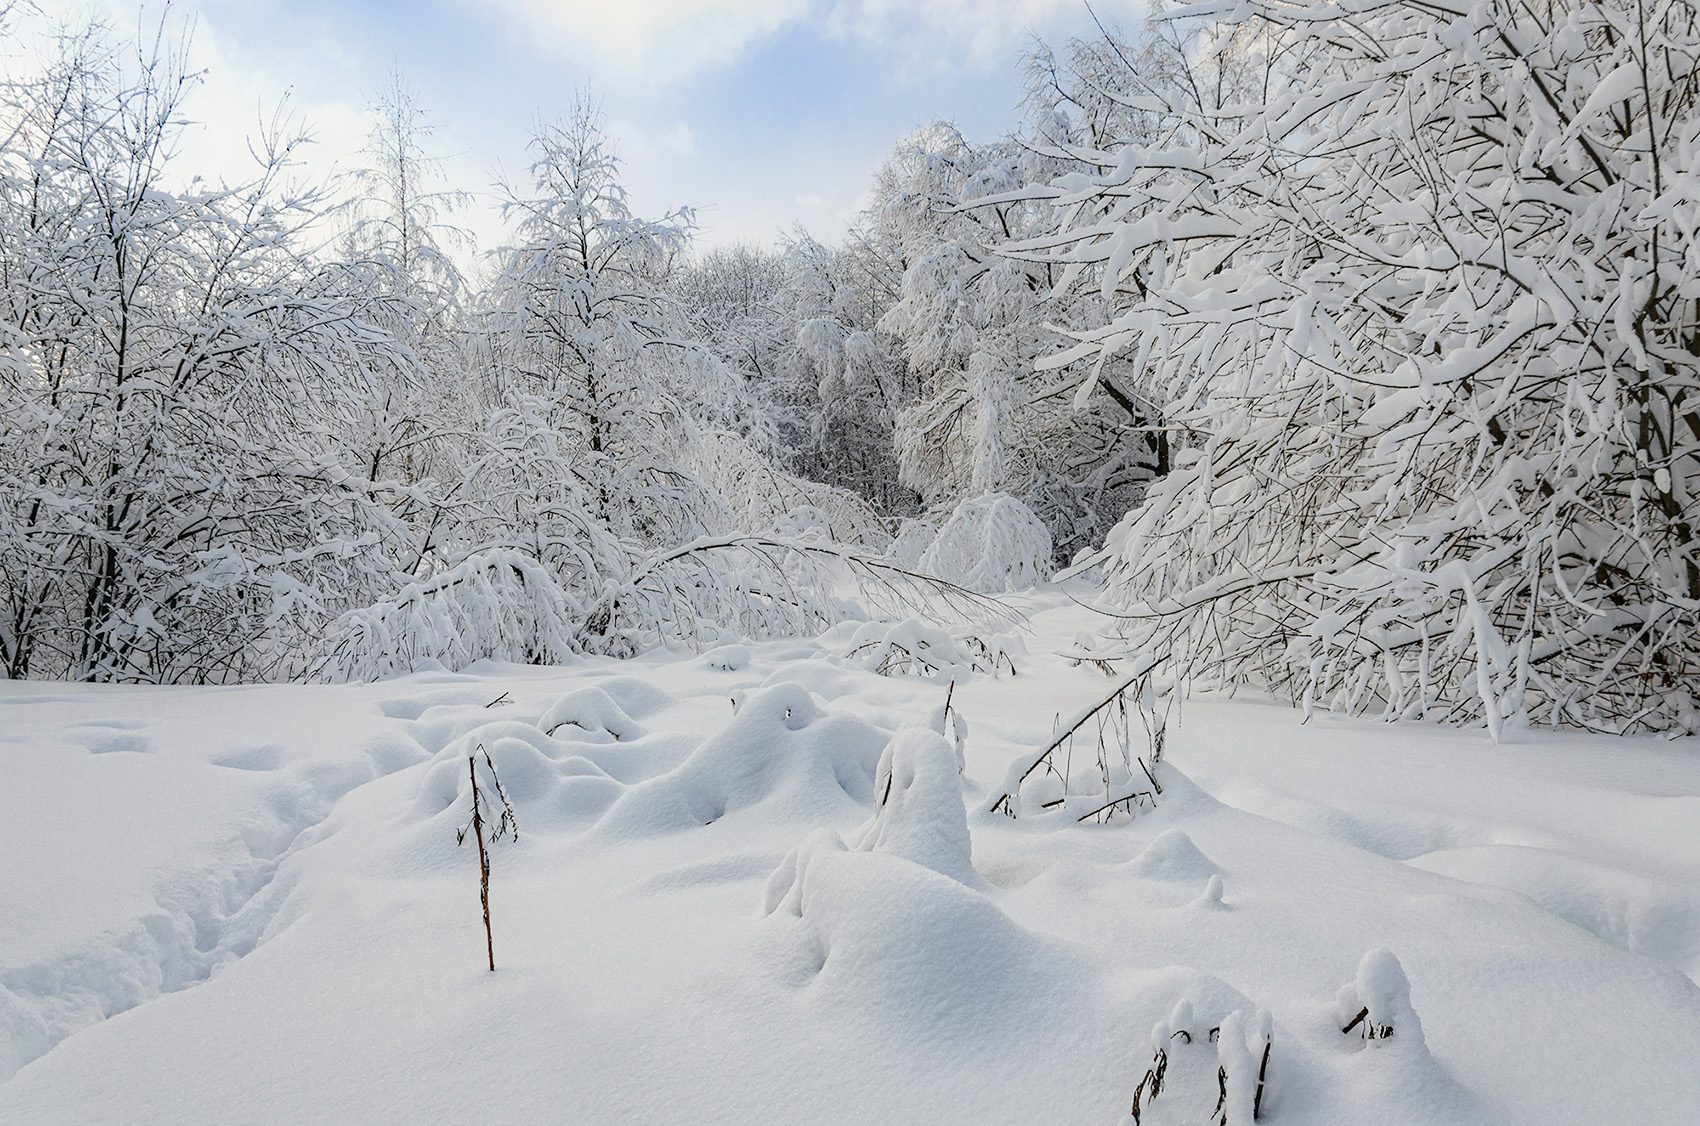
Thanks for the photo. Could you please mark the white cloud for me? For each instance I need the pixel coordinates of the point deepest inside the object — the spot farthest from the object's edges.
(235, 98)
(638, 143)
(662, 41)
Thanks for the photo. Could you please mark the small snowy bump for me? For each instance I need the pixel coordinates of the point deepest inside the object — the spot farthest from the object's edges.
(589, 714)
(1212, 897)
(1173, 858)
(728, 658)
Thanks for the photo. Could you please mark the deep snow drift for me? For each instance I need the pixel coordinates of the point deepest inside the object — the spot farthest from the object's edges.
(752, 886)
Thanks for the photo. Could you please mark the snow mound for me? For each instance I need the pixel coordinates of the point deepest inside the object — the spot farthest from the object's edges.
(915, 953)
(784, 751)
(1172, 858)
(920, 815)
(729, 658)
(1657, 917)
(550, 785)
(990, 544)
(593, 714)
(635, 696)
(1377, 1005)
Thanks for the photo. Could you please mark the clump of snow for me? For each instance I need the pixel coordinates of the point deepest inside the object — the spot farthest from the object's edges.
(1212, 896)
(593, 715)
(920, 815)
(727, 658)
(1240, 1046)
(1173, 858)
(1382, 993)
(990, 544)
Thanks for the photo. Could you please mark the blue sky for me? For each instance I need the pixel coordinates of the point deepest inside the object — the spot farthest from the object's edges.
(761, 113)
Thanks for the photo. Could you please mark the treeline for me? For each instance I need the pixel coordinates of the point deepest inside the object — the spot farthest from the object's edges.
(1356, 350)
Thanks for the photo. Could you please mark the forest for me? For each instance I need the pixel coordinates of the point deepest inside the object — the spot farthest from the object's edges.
(1356, 355)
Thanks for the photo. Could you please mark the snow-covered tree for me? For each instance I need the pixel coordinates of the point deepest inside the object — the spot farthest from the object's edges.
(800, 325)
(172, 366)
(1424, 307)
(612, 500)
(972, 322)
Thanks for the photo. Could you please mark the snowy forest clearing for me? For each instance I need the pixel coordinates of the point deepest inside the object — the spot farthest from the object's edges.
(246, 904)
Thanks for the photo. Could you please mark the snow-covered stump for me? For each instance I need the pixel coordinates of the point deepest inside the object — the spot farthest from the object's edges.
(1377, 1004)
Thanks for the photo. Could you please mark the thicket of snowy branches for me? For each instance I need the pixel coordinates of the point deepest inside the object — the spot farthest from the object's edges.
(249, 433)
(176, 379)
(1417, 286)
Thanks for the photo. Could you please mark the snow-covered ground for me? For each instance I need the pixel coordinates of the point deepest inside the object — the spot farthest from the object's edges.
(247, 904)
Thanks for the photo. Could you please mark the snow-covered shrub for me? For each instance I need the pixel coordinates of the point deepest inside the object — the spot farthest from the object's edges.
(501, 603)
(593, 714)
(917, 648)
(1423, 322)
(990, 544)
(913, 539)
(1377, 1004)
(1121, 738)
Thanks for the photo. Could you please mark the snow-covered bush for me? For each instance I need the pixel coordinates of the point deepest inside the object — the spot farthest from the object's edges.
(1424, 319)
(501, 603)
(1120, 738)
(919, 648)
(990, 544)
